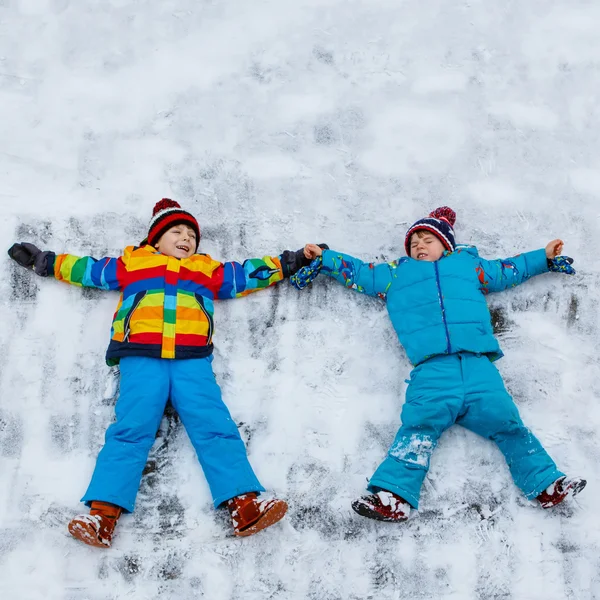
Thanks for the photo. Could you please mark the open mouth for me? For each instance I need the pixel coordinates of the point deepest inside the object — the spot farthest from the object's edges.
(421, 255)
(183, 247)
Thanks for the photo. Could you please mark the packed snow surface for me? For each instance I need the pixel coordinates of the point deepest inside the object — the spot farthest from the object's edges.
(279, 122)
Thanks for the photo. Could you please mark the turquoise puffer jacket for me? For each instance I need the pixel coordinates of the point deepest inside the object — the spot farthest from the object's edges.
(438, 307)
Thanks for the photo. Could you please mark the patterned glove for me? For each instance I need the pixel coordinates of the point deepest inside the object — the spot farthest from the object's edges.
(31, 257)
(561, 264)
(307, 274)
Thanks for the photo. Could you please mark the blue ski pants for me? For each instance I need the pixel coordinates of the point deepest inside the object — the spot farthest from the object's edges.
(146, 385)
(466, 389)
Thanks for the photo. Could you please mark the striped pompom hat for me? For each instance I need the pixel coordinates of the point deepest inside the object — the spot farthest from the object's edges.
(166, 214)
(440, 222)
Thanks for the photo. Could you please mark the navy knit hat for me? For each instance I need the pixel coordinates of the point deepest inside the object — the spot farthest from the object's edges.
(439, 222)
(166, 214)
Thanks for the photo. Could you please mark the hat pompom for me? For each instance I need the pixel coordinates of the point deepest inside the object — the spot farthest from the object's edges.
(445, 213)
(164, 204)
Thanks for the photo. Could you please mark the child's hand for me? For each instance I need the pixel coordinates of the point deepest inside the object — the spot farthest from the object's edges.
(554, 248)
(307, 274)
(311, 251)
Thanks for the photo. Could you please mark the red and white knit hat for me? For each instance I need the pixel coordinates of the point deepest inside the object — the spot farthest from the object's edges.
(166, 214)
(440, 222)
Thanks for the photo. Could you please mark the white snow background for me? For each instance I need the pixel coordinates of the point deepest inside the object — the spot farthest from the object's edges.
(279, 122)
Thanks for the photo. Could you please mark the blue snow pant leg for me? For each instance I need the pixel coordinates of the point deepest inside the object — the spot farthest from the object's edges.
(143, 395)
(433, 400)
(490, 412)
(196, 396)
(467, 389)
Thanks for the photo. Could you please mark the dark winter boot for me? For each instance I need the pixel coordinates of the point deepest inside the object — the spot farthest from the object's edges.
(96, 529)
(383, 506)
(559, 490)
(250, 515)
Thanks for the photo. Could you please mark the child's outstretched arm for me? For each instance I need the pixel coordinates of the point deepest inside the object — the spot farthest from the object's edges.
(105, 274)
(367, 278)
(501, 274)
(235, 280)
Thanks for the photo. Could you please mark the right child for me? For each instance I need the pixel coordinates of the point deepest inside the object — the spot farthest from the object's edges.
(162, 337)
(436, 300)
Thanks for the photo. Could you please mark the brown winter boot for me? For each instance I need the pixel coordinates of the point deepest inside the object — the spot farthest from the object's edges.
(250, 515)
(96, 529)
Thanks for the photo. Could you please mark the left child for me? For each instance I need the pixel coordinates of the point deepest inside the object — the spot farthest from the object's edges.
(161, 337)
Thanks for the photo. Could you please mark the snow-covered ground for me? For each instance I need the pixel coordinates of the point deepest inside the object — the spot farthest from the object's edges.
(280, 122)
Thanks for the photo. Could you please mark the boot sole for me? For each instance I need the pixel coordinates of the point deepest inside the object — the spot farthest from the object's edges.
(276, 513)
(577, 487)
(86, 533)
(366, 511)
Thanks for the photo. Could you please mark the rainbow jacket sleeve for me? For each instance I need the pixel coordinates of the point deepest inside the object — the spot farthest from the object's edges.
(166, 306)
(367, 278)
(85, 271)
(235, 280)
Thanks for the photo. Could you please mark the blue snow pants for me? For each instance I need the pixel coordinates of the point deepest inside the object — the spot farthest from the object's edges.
(146, 385)
(466, 389)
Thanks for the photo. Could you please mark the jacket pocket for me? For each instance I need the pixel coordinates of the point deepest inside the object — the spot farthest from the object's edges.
(126, 325)
(209, 319)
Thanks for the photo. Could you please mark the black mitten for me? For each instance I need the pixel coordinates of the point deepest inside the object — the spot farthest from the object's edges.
(31, 257)
(292, 261)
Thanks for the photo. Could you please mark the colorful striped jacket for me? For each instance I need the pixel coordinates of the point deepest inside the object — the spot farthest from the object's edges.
(166, 305)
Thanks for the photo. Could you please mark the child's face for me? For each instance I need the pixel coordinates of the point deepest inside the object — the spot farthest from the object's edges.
(179, 241)
(426, 246)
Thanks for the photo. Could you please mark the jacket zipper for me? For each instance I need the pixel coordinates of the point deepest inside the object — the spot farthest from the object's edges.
(200, 302)
(136, 301)
(439, 287)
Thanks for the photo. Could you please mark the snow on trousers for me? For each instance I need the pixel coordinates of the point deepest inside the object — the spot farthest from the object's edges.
(146, 385)
(466, 389)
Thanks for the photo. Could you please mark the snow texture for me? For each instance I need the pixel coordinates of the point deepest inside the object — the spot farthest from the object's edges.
(416, 449)
(280, 122)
